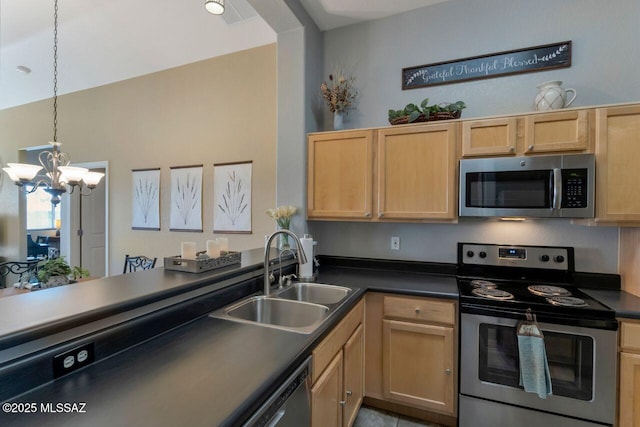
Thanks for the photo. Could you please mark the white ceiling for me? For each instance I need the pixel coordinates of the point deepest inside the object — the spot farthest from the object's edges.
(101, 42)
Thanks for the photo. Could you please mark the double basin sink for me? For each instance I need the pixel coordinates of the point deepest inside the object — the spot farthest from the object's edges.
(300, 307)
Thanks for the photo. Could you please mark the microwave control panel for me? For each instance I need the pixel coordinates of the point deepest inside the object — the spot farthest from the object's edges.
(574, 188)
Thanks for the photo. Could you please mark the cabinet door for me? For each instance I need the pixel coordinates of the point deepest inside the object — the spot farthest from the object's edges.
(326, 395)
(353, 376)
(551, 132)
(418, 365)
(617, 160)
(417, 172)
(629, 390)
(493, 137)
(340, 175)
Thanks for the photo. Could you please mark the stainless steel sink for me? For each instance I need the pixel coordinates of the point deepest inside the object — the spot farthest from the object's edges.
(278, 313)
(317, 293)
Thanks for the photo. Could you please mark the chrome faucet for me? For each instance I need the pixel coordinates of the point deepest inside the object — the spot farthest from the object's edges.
(302, 258)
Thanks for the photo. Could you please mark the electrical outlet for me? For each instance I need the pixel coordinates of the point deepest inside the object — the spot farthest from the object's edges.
(71, 360)
(395, 243)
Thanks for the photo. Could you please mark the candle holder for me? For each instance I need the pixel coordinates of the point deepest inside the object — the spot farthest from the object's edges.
(202, 264)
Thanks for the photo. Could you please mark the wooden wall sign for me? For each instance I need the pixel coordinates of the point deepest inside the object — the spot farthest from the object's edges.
(527, 60)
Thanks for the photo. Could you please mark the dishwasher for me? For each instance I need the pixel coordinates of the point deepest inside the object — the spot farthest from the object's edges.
(290, 405)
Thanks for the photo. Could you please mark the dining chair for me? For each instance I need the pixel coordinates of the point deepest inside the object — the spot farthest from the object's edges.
(133, 263)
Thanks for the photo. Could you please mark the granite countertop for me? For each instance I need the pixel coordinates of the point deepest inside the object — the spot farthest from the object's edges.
(209, 371)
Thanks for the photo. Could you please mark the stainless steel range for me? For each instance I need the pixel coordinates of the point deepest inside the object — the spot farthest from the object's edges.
(498, 285)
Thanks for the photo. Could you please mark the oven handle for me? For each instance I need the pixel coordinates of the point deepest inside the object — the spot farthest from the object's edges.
(557, 189)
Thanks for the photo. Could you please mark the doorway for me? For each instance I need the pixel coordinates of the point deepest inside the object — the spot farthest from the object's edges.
(85, 239)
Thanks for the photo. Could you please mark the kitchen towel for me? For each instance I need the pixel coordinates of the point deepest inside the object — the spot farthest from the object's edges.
(534, 368)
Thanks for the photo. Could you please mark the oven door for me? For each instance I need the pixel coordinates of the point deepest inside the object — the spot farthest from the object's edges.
(582, 363)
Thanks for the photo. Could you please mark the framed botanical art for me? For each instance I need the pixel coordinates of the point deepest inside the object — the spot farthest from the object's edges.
(145, 203)
(232, 197)
(186, 198)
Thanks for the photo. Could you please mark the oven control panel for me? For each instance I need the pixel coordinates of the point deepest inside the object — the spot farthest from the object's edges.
(545, 257)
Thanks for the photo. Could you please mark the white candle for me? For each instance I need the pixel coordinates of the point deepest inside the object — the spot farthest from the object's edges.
(224, 244)
(188, 250)
(213, 248)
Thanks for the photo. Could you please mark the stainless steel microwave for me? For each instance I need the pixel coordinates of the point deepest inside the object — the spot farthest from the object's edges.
(555, 186)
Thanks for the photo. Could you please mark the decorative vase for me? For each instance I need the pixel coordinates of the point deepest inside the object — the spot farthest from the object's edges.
(552, 97)
(283, 239)
(338, 120)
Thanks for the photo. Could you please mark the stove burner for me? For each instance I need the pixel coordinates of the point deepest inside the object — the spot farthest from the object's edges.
(492, 293)
(548, 291)
(567, 301)
(483, 284)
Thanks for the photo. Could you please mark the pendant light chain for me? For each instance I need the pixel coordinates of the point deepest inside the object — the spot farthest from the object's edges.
(55, 71)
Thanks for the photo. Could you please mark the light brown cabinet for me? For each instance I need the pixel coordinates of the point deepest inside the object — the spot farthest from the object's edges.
(556, 132)
(338, 373)
(538, 133)
(489, 137)
(404, 173)
(617, 160)
(417, 172)
(629, 396)
(340, 175)
(411, 356)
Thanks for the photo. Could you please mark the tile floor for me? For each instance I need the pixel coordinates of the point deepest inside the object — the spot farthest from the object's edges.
(371, 417)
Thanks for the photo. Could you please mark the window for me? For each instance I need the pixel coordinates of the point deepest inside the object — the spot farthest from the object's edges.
(41, 214)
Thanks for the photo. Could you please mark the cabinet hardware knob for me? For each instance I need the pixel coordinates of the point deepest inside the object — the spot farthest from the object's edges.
(447, 371)
(367, 214)
(417, 311)
(381, 214)
(512, 149)
(343, 403)
(531, 147)
(349, 392)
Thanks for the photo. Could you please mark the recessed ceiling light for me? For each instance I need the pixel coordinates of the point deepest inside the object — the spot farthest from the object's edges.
(23, 69)
(214, 6)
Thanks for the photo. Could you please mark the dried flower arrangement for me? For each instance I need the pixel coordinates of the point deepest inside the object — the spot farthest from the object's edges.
(338, 93)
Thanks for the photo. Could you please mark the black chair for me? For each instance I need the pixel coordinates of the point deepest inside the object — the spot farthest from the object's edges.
(23, 269)
(34, 249)
(133, 263)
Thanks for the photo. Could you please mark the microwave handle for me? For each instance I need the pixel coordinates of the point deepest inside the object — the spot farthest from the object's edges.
(557, 189)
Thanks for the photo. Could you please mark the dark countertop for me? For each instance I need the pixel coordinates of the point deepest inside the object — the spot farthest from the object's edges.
(626, 305)
(41, 313)
(206, 372)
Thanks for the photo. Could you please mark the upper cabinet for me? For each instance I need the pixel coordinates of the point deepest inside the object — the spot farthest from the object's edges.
(557, 131)
(617, 164)
(415, 174)
(490, 137)
(340, 175)
(538, 133)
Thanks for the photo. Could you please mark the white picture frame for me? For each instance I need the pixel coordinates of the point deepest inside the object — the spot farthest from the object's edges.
(186, 198)
(232, 195)
(145, 199)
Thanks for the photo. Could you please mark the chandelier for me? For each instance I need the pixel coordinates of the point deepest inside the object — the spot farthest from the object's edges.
(60, 176)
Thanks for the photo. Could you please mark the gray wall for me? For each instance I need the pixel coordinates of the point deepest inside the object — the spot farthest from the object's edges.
(605, 60)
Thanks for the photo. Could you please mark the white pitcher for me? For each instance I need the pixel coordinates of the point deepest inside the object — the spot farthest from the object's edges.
(551, 96)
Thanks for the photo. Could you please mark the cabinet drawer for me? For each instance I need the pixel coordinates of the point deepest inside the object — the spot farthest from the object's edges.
(420, 309)
(630, 336)
(332, 344)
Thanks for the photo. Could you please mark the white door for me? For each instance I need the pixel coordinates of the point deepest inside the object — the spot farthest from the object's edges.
(92, 230)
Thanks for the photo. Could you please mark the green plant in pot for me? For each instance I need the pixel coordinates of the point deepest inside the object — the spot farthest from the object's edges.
(54, 272)
(425, 112)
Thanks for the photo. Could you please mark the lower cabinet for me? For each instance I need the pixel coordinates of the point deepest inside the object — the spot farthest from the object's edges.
(629, 409)
(338, 373)
(411, 353)
(418, 364)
